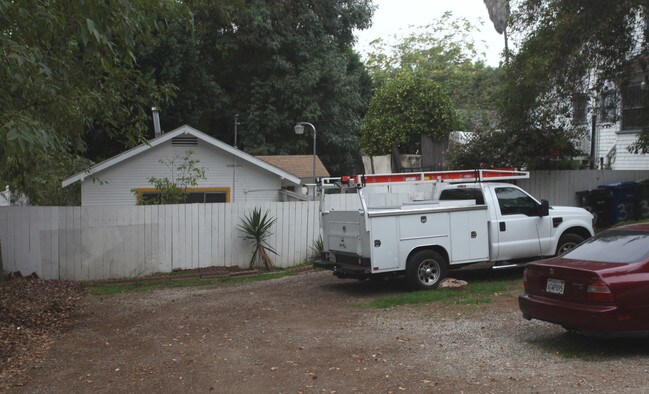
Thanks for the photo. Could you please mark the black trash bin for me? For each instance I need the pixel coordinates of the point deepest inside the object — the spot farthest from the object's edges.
(643, 200)
(624, 196)
(596, 201)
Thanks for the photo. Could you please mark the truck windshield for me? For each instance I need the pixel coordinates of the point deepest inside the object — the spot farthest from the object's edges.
(463, 194)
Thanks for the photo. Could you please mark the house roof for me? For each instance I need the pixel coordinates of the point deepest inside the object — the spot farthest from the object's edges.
(182, 130)
(299, 165)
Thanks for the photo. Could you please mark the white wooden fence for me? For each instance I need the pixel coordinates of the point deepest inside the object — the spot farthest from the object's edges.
(561, 187)
(91, 243)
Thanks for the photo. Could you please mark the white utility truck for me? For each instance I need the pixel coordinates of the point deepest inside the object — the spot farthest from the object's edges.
(472, 219)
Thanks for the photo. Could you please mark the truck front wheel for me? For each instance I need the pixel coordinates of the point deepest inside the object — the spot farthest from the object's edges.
(567, 242)
(425, 270)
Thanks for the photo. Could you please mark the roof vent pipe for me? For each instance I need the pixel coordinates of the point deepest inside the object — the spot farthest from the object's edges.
(156, 121)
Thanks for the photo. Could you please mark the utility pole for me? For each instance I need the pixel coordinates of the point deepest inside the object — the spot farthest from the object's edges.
(234, 166)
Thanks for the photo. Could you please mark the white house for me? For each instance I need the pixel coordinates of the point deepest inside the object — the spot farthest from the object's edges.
(618, 123)
(231, 174)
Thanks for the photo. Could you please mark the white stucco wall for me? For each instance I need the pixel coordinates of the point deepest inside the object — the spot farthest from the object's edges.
(114, 185)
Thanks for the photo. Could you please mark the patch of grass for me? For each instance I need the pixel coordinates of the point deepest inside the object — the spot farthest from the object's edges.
(108, 289)
(479, 292)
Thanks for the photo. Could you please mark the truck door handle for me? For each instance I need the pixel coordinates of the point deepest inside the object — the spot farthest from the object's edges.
(503, 226)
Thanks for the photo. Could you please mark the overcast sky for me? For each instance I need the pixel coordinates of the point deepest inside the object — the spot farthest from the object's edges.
(395, 16)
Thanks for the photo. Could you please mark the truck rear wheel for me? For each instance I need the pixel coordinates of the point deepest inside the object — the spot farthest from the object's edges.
(425, 270)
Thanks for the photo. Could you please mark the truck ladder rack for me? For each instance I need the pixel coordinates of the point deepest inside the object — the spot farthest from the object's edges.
(456, 176)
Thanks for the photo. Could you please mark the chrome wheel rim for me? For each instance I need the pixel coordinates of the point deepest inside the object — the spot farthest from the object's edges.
(428, 272)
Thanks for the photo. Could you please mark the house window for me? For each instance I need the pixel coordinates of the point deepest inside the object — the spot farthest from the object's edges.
(579, 109)
(608, 107)
(635, 102)
(196, 196)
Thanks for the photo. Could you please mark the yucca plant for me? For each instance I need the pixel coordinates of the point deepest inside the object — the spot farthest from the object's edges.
(317, 248)
(255, 228)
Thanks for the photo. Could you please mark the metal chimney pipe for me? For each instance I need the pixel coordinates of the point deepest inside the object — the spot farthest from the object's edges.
(156, 121)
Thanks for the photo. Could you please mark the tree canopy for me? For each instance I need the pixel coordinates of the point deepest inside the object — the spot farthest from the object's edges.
(81, 77)
(273, 64)
(68, 70)
(403, 109)
(567, 49)
(444, 52)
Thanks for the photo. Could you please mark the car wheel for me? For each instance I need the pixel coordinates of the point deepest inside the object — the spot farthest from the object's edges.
(425, 270)
(567, 242)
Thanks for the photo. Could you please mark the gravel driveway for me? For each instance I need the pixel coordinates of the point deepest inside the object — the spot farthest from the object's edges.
(312, 333)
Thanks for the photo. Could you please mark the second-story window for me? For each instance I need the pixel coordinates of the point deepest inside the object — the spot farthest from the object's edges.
(635, 102)
(608, 107)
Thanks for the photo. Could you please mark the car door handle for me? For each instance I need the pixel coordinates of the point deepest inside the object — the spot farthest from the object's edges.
(503, 226)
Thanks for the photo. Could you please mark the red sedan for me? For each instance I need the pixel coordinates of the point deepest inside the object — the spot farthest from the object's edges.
(601, 286)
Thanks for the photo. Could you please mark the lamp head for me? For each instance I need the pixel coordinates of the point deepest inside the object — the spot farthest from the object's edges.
(299, 129)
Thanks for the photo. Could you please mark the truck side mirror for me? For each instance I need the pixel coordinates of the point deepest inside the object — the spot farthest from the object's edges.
(544, 208)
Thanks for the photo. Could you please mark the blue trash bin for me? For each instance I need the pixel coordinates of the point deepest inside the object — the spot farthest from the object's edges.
(597, 202)
(643, 200)
(624, 196)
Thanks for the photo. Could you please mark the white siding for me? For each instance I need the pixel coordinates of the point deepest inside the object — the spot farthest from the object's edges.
(625, 160)
(114, 186)
(609, 137)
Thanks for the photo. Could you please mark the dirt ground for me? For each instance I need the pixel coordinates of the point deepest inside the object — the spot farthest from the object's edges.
(311, 333)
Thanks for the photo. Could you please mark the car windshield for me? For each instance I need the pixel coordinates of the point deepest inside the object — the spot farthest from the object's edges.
(613, 246)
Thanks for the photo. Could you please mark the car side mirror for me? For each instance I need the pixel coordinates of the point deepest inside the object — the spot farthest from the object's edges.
(544, 208)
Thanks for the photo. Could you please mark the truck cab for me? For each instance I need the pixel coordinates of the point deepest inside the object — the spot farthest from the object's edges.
(520, 226)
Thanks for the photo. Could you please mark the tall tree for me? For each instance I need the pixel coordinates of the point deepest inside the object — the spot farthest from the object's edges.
(68, 70)
(273, 63)
(566, 49)
(445, 52)
(401, 111)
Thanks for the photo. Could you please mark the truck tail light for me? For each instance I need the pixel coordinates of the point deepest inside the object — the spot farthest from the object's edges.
(598, 291)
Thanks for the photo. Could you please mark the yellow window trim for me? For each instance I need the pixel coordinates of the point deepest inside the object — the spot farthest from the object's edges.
(141, 190)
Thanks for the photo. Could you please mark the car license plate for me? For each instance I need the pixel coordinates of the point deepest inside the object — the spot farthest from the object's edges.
(554, 286)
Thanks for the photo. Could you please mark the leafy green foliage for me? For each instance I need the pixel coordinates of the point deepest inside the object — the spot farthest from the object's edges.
(318, 247)
(402, 110)
(444, 52)
(255, 229)
(537, 148)
(68, 71)
(273, 63)
(79, 78)
(184, 173)
(567, 48)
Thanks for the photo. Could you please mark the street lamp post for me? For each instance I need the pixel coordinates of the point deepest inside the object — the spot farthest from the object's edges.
(299, 130)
